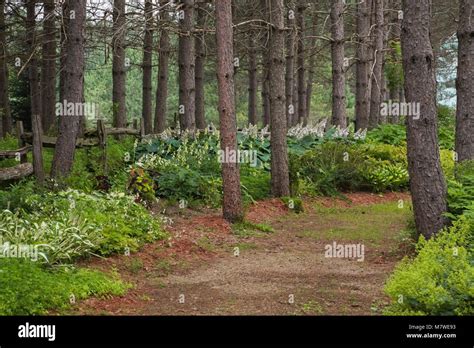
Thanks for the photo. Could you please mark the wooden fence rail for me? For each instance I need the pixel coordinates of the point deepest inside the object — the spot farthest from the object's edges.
(35, 141)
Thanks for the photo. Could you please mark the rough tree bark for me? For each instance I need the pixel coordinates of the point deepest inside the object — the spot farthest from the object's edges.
(118, 65)
(395, 27)
(35, 92)
(279, 150)
(295, 98)
(253, 80)
(48, 69)
(73, 91)
(383, 80)
(301, 76)
(265, 70)
(376, 85)
(465, 83)
(147, 68)
(62, 41)
(5, 114)
(290, 62)
(427, 183)
(338, 70)
(33, 74)
(232, 204)
(200, 44)
(163, 62)
(311, 68)
(362, 65)
(186, 63)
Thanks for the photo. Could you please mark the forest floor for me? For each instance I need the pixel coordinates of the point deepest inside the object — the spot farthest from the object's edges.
(209, 267)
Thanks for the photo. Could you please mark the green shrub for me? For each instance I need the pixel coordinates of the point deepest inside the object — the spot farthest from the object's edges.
(105, 223)
(440, 279)
(464, 171)
(188, 184)
(338, 166)
(331, 167)
(382, 176)
(16, 196)
(255, 183)
(391, 134)
(461, 189)
(62, 238)
(385, 152)
(87, 166)
(124, 224)
(183, 169)
(29, 289)
(9, 142)
(142, 185)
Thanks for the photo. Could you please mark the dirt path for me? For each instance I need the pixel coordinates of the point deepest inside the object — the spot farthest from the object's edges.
(205, 269)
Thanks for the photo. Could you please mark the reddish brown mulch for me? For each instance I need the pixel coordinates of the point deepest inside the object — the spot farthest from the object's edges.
(266, 210)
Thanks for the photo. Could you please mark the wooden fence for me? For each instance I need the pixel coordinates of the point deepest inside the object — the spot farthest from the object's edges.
(35, 141)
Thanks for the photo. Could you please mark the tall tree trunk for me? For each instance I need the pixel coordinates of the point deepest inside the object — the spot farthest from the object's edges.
(186, 58)
(265, 93)
(300, 19)
(63, 42)
(295, 99)
(162, 89)
(362, 65)
(395, 32)
(338, 70)
(48, 70)
(33, 74)
(427, 183)
(376, 85)
(253, 81)
(465, 83)
(5, 114)
(265, 69)
(232, 205)
(279, 150)
(311, 68)
(118, 65)
(147, 68)
(383, 80)
(73, 90)
(290, 63)
(200, 43)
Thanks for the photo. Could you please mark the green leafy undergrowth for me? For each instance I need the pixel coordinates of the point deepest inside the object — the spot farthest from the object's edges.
(392, 134)
(440, 279)
(340, 166)
(70, 224)
(461, 189)
(27, 288)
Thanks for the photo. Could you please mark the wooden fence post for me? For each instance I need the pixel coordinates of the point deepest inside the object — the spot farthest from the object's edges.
(102, 135)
